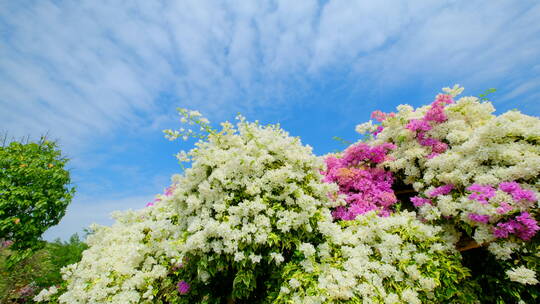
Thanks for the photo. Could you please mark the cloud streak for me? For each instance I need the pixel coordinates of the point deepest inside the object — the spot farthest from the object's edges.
(83, 69)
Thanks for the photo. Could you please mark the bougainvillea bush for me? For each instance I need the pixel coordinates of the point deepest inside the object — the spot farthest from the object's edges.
(476, 175)
(437, 204)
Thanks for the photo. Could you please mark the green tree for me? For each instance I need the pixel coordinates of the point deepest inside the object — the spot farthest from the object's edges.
(62, 254)
(35, 189)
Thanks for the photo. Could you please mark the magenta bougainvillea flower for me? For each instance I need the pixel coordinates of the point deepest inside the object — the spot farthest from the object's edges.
(381, 116)
(442, 190)
(481, 193)
(517, 192)
(366, 186)
(523, 226)
(183, 287)
(420, 201)
(433, 116)
(504, 208)
(418, 125)
(479, 218)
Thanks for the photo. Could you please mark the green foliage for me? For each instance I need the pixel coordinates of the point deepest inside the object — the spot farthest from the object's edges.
(61, 254)
(34, 193)
(24, 273)
(487, 92)
(489, 273)
(39, 270)
(342, 141)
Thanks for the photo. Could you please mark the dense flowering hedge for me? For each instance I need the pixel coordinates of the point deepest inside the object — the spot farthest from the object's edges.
(258, 218)
(484, 182)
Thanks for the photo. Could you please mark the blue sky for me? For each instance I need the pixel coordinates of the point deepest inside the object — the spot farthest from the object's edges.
(104, 78)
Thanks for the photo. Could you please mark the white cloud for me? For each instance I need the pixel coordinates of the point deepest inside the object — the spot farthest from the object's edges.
(465, 41)
(84, 69)
(348, 29)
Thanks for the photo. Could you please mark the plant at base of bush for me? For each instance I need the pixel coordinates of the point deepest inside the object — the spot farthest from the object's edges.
(18, 283)
(42, 269)
(61, 254)
(124, 261)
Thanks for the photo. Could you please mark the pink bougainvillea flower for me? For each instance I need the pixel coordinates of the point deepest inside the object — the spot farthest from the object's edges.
(509, 187)
(478, 218)
(365, 186)
(432, 155)
(434, 115)
(388, 198)
(439, 147)
(169, 191)
(443, 99)
(426, 141)
(150, 204)
(518, 193)
(526, 195)
(481, 193)
(528, 228)
(340, 213)
(442, 190)
(183, 287)
(379, 130)
(362, 152)
(420, 201)
(523, 226)
(416, 125)
(504, 208)
(381, 116)
(177, 266)
(436, 112)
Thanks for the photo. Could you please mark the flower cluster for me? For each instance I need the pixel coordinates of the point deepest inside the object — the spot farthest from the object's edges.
(5, 243)
(183, 287)
(394, 259)
(46, 294)
(251, 192)
(193, 118)
(523, 226)
(434, 115)
(474, 173)
(522, 275)
(486, 206)
(125, 262)
(365, 186)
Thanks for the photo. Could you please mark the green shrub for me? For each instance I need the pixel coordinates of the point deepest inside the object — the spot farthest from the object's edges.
(23, 280)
